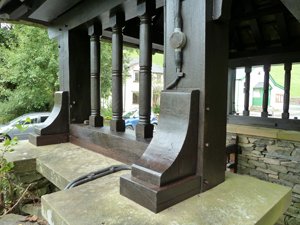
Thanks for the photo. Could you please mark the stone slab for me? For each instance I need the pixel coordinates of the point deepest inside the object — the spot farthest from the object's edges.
(264, 132)
(239, 200)
(13, 219)
(25, 154)
(68, 161)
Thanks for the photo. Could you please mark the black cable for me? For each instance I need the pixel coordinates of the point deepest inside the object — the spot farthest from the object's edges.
(96, 174)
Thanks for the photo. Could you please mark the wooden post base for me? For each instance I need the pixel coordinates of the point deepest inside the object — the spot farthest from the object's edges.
(40, 140)
(157, 198)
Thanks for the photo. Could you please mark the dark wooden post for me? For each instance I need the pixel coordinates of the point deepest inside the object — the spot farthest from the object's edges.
(95, 119)
(247, 90)
(264, 113)
(287, 85)
(74, 72)
(231, 91)
(186, 155)
(117, 123)
(144, 129)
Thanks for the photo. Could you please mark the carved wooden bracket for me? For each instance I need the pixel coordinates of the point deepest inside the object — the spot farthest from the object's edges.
(166, 172)
(56, 128)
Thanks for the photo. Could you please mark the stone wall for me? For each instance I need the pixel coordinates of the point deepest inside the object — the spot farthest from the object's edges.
(276, 161)
(26, 174)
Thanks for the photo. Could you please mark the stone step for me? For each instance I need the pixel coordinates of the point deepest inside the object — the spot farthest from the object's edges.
(67, 162)
(238, 200)
(14, 219)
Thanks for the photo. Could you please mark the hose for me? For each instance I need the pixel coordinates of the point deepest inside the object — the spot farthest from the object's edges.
(96, 174)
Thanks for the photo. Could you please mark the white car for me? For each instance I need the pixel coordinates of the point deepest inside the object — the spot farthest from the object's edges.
(10, 130)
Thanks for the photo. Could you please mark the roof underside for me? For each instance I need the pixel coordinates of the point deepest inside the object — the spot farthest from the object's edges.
(257, 27)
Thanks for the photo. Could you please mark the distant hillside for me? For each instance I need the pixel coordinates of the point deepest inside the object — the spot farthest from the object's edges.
(277, 72)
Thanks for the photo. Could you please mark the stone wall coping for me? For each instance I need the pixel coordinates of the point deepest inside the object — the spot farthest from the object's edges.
(264, 132)
(239, 200)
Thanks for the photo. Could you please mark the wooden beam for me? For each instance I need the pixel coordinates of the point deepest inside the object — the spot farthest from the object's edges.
(293, 6)
(291, 124)
(254, 26)
(260, 58)
(131, 41)
(248, 6)
(89, 10)
(49, 10)
(282, 28)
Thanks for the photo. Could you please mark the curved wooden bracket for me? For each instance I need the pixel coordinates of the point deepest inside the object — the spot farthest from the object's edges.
(166, 172)
(56, 128)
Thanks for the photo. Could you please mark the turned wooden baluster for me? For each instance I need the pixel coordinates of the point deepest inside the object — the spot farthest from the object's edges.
(264, 113)
(287, 85)
(247, 90)
(95, 119)
(144, 128)
(117, 123)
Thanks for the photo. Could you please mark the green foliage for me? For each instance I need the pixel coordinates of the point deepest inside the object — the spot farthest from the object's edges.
(157, 58)
(106, 67)
(28, 72)
(277, 72)
(106, 113)
(156, 109)
(5, 35)
(10, 189)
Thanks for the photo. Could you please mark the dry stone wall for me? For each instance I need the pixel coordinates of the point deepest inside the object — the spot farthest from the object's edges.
(276, 161)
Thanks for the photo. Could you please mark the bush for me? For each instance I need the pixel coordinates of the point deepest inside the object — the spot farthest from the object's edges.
(107, 113)
(156, 109)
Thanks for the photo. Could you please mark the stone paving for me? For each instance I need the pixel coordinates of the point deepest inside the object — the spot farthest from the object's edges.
(13, 219)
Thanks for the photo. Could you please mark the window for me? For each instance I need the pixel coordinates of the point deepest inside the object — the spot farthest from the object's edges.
(279, 98)
(135, 98)
(136, 76)
(34, 120)
(43, 118)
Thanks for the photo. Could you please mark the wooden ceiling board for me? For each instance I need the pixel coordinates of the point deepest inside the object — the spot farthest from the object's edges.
(51, 9)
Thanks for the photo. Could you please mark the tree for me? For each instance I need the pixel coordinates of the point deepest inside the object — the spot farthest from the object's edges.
(106, 67)
(29, 70)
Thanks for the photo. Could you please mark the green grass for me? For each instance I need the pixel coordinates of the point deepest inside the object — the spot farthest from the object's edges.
(277, 72)
(157, 58)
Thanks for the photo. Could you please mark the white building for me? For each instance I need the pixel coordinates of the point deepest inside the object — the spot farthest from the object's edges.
(276, 93)
(131, 86)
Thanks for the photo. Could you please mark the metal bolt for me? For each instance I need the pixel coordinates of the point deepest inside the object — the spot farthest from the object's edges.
(206, 144)
(207, 108)
(177, 39)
